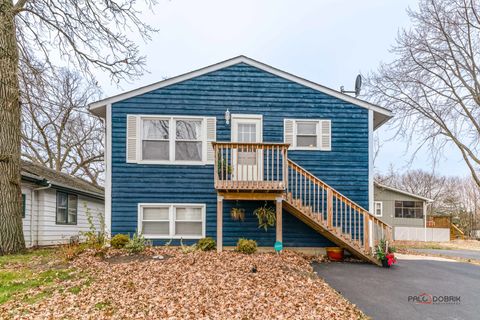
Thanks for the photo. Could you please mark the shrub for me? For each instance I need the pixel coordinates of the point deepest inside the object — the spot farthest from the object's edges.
(119, 241)
(136, 244)
(246, 246)
(70, 251)
(206, 244)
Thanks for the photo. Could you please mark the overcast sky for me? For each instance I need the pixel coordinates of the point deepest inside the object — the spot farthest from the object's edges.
(327, 41)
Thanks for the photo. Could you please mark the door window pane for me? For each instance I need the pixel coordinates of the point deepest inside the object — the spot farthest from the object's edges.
(247, 132)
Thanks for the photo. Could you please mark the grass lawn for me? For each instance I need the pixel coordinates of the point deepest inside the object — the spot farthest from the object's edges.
(451, 245)
(193, 285)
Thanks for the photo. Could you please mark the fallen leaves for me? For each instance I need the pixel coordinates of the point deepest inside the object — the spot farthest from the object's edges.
(196, 285)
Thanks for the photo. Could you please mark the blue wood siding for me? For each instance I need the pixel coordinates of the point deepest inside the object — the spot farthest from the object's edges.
(248, 90)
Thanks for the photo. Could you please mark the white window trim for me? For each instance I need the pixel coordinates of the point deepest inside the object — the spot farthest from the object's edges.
(318, 131)
(171, 139)
(171, 214)
(375, 208)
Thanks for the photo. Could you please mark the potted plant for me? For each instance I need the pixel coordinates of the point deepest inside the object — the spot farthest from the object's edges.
(335, 253)
(385, 253)
(266, 216)
(237, 214)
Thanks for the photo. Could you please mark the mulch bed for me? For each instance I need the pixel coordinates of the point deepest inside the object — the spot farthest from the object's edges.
(197, 285)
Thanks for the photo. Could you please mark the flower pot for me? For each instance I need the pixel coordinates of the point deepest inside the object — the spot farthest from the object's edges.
(385, 263)
(335, 253)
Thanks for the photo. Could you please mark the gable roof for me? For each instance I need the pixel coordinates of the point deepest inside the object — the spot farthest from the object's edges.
(42, 175)
(382, 186)
(381, 115)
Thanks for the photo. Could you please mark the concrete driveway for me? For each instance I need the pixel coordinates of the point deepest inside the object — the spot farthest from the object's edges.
(465, 254)
(396, 293)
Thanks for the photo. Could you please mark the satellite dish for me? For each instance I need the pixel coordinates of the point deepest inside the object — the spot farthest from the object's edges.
(358, 85)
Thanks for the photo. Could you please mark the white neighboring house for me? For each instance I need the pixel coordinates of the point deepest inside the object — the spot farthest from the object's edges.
(56, 206)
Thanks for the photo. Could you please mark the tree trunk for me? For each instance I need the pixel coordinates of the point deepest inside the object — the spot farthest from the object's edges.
(11, 231)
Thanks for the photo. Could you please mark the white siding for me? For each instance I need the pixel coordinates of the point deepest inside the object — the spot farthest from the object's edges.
(420, 234)
(50, 233)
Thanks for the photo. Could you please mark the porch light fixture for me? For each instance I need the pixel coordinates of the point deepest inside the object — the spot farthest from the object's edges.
(227, 117)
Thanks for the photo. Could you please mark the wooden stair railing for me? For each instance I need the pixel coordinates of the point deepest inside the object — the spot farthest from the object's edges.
(342, 217)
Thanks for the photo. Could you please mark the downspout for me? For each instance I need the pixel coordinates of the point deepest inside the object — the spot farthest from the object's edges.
(38, 213)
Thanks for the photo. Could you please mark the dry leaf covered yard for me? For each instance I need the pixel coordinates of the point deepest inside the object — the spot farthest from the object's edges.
(196, 285)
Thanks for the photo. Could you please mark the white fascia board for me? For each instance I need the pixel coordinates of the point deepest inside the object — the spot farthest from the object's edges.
(97, 107)
(403, 192)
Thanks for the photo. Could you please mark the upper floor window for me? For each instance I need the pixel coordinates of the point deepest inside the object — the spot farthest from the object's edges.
(306, 134)
(169, 139)
(66, 208)
(409, 209)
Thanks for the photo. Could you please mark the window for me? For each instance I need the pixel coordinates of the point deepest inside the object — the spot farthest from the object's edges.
(378, 208)
(409, 209)
(66, 208)
(24, 204)
(170, 139)
(188, 140)
(308, 134)
(167, 221)
(155, 140)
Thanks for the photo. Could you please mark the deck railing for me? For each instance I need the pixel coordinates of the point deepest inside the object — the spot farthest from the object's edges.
(333, 210)
(250, 166)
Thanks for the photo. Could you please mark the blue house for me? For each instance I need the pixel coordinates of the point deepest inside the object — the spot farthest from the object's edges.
(183, 152)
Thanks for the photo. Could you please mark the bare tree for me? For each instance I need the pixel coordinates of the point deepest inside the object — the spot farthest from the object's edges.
(57, 130)
(83, 34)
(433, 86)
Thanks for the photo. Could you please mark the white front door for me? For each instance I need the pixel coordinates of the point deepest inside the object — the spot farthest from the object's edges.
(247, 163)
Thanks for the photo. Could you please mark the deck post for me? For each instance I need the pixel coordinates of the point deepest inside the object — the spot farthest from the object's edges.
(279, 229)
(329, 207)
(219, 223)
(366, 231)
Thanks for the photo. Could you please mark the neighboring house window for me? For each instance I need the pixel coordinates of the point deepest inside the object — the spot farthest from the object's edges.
(409, 209)
(170, 139)
(24, 204)
(308, 134)
(378, 208)
(66, 208)
(168, 221)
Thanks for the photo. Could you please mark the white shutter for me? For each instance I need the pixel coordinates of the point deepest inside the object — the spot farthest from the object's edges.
(325, 136)
(211, 136)
(288, 133)
(132, 135)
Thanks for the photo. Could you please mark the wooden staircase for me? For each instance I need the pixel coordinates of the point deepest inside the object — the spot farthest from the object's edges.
(333, 215)
(238, 167)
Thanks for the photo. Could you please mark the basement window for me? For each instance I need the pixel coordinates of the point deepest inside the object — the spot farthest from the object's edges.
(171, 221)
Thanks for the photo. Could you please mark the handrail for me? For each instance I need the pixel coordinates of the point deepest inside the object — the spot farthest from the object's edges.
(333, 209)
(250, 166)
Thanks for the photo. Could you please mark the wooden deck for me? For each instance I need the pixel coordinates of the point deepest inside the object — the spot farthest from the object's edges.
(262, 171)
